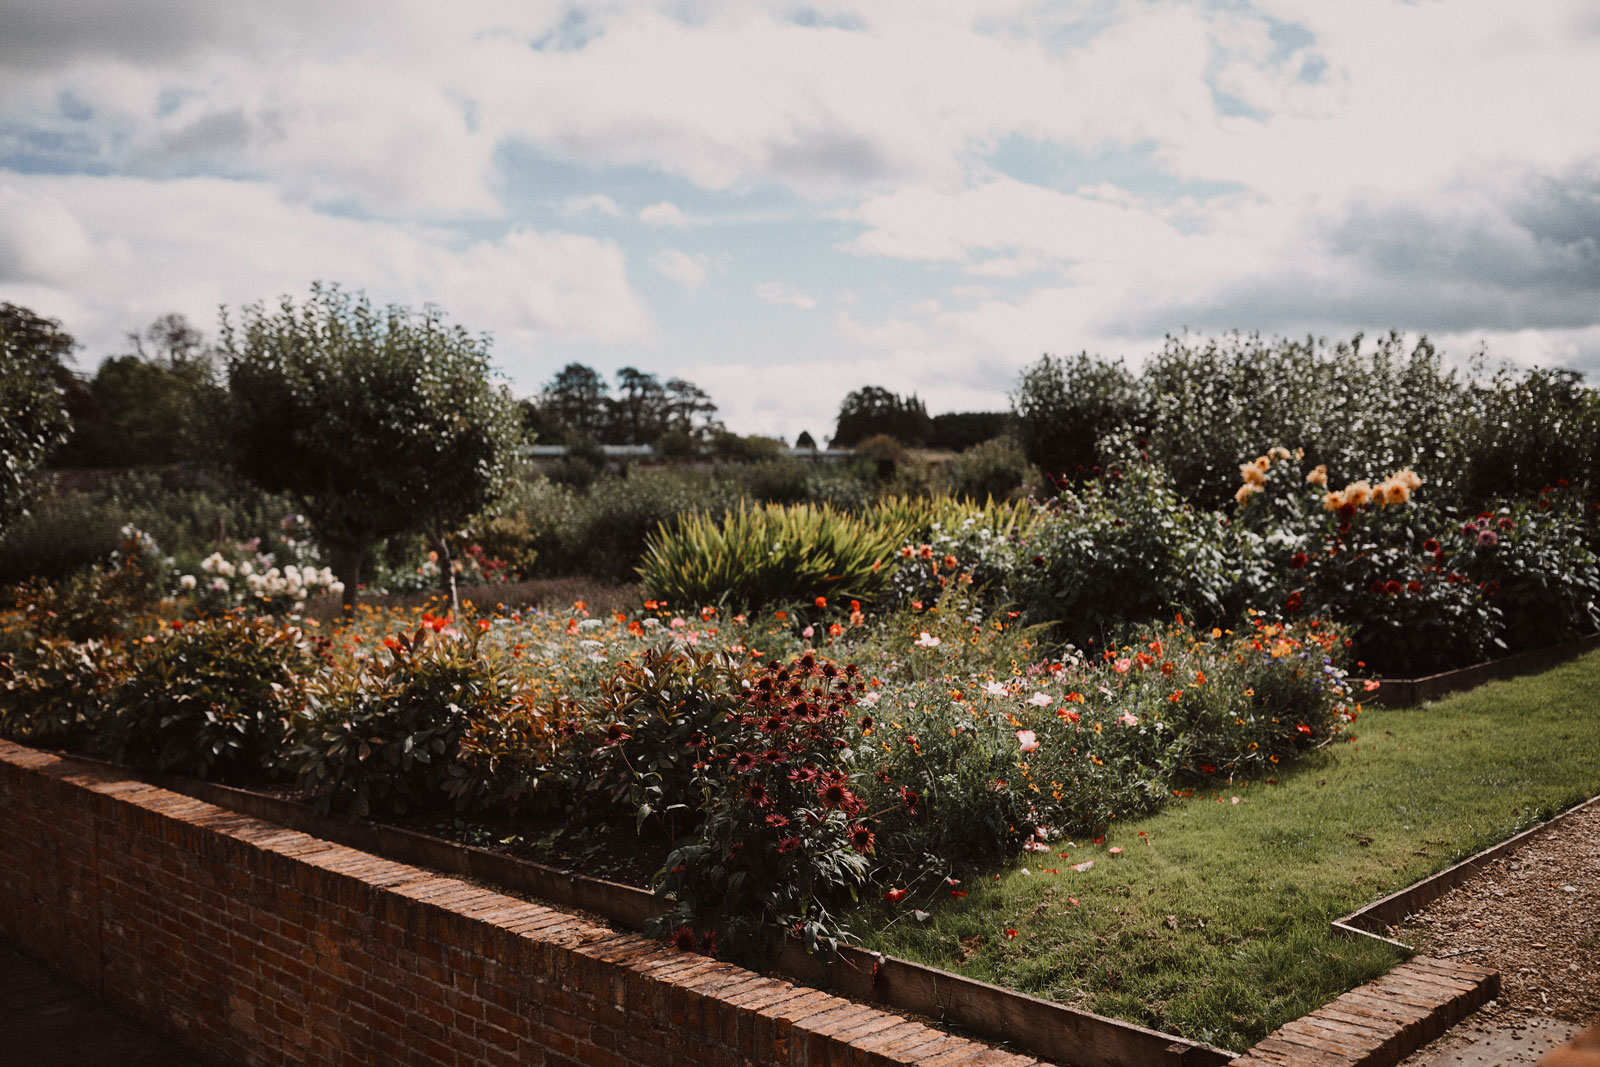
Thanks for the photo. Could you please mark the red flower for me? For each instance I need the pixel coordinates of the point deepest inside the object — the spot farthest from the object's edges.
(822, 601)
(1304, 729)
(958, 892)
(787, 844)
(708, 943)
(1413, 588)
(839, 797)
(1011, 933)
(895, 896)
(615, 734)
(909, 797)
(743, 761)
(756, 793)
(777, 822)
(1298, 561)
(1391, 587)
(684, 938)
(1430, 546)
(1292, 605)
(861, 839)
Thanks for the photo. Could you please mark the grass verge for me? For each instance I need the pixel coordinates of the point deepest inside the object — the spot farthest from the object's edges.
(1212, 922)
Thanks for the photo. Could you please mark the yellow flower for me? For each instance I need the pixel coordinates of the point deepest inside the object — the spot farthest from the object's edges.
(1408, 478)
(1246, 491)
(1333, 501)
(1318, 475)
(1358, 493)
(1253, 473)
(1279, 452)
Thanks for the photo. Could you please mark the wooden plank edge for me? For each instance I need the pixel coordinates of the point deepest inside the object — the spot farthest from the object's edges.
(1397, 905)
(1411, 692)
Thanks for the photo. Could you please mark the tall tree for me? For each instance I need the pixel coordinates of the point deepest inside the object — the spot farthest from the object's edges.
(638, 414)
(577, 398)
(161, 403)
(31, 352)
(689, 410)
(873, 410)
(378, 423)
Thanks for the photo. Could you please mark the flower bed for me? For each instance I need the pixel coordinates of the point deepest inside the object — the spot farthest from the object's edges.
(832, 759)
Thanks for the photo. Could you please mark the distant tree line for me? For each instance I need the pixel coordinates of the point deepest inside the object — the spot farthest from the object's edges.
(873, 411)
(578, 407)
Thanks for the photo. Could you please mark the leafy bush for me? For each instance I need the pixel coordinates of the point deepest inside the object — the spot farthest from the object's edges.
(1533, 559)
(1421, 590)
(435, 718)
(53, 693)
(184, 510)
(995, 469)
(1123, 549)
(1531, 429)
(1355, 408)
(211, 697)
(1064, 407)
(108, 603)
(784, 839)
(648, 728)
(753, 557)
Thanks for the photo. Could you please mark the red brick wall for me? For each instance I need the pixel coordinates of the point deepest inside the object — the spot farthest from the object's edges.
(254, 944)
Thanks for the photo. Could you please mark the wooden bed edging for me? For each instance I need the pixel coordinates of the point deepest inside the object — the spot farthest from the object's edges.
(1387, 911)
(1410, 692)
(1041, 1027)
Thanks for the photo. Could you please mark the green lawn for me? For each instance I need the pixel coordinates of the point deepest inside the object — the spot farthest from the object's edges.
(1215, 925)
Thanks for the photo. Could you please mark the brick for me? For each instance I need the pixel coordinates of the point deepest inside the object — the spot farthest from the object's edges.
(1302, 1054)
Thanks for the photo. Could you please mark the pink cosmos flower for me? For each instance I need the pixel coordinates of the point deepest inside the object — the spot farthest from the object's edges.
(1027, 740)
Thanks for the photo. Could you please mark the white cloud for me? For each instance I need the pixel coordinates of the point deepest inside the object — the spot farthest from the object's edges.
(1048, 175)
(687, 270)
(107, 255)
(779, 293)
(595, 204)
(663, 214)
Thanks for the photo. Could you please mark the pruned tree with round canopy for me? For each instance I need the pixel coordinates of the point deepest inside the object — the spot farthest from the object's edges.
(377, 422)
(31, 389)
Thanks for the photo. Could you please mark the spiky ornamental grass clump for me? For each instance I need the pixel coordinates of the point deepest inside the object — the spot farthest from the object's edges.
(752, 557)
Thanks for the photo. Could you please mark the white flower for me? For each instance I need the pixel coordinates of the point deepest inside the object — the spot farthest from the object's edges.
(336, 588)
(209, 564)
(872, 698)
(246, 569)
(995, 689)
(187, 581)
(1040, 700)
(927, 640)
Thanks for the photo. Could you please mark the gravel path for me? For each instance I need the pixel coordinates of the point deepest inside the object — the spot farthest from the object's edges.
(1534, 915)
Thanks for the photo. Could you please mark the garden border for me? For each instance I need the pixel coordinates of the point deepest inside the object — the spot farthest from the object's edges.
(1413, 692)
(988, 1012)
(1397, 905)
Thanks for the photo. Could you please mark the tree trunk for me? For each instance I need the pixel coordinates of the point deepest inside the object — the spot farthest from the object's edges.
(447, 572)
(347, 563)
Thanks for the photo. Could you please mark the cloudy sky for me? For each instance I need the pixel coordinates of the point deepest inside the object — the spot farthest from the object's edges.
(784, 201)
